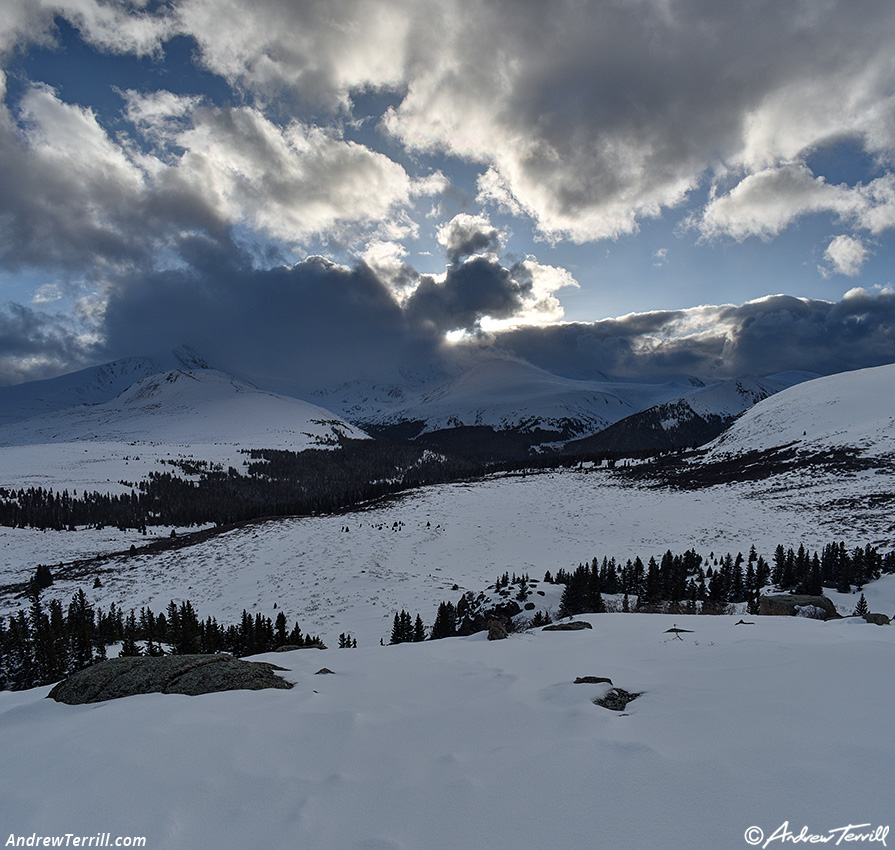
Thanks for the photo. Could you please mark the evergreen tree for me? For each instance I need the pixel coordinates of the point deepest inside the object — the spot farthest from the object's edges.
(861, 608)
(129, 645)
(419, 630)
(445, 624)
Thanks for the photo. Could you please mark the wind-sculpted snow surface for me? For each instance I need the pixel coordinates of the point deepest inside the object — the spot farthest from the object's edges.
(474, 744)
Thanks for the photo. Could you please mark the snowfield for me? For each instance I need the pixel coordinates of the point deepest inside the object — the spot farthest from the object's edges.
(466, 743)
(849, 409)
(409, 552)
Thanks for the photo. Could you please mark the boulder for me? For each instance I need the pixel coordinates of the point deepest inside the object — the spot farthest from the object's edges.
(877, 619)
(572, 626)
(784, 605)
(592, 680)
(616, 700)
(168, 674)
(496, 630)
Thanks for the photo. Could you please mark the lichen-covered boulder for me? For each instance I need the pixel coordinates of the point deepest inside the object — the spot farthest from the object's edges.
(877, 619)
(169, 674)
(785, 604)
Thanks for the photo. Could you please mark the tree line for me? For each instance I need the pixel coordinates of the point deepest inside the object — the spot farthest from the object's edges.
(46, 643)
(273, 483)
(685, 581)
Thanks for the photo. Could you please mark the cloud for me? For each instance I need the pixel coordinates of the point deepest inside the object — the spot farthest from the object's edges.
(761, 337)
(765, 203)
(35, 344)
(847, 255)
(465, 235)
(292, 182)
(587, 118)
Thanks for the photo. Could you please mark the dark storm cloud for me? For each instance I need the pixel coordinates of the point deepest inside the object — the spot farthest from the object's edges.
(34, 344)
(290, 328)
(762, 337)
(472, 290)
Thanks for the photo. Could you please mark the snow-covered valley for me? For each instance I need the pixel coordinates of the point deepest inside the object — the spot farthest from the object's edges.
(464, 742)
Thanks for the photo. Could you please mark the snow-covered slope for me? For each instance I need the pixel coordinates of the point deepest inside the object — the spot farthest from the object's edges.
(202, 414)
(90, 386)
(184, 407)
(691, 420)
(466, 743)
(847, 410)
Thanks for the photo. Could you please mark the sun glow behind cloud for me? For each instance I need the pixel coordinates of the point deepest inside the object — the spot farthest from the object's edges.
(513, 139)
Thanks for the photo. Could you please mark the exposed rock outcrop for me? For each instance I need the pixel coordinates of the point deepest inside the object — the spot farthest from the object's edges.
(170, 674)
(784, 605)
(573, 626)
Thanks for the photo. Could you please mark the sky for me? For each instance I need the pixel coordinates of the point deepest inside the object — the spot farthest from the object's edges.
(314, 192)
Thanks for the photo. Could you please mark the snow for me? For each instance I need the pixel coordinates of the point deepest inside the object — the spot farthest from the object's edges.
(470, 743)
(506, 393)
(198, 414)
(848, 409)
(90, 386)
(464, 534)
(464, 742)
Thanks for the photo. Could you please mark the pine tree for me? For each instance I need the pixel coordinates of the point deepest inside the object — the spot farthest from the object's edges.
(419, 630)
(129, 645)
(861, 608)
(445, 624)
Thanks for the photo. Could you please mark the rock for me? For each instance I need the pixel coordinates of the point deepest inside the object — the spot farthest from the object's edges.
(573, 626)
(169, 674)
(323, 671)
(616, 700)
(877, 619)
(784, 605)
(288, 647)
(592, 680)
(496, 631)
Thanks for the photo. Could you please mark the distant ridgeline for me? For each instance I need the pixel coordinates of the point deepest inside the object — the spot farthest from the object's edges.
(275, 483)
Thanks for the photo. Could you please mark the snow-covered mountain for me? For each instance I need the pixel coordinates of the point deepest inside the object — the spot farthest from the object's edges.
(201, 414)
(850, 410)
(504, 394)
(187, 407)
(691, 420)
(503, 407)
(90, 386)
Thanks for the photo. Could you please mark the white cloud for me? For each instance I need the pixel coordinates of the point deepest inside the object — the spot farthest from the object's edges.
(320, 50)
(293, 182)
(466, 234)
(847, 255)
(765, 203)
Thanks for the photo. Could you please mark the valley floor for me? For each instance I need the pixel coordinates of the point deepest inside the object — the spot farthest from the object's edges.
(410, 552)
